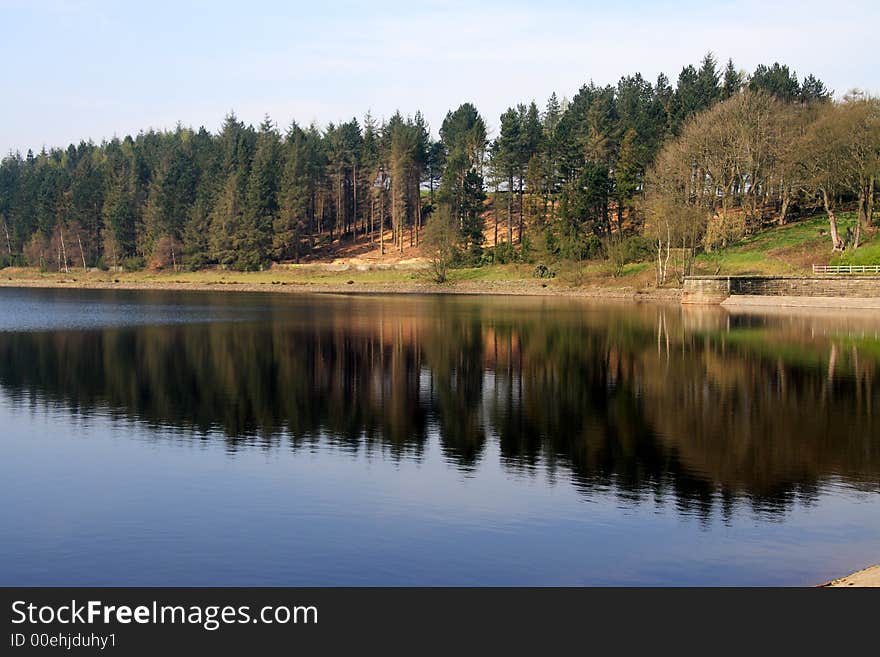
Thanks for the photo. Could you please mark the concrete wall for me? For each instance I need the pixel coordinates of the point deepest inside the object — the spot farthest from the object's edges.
(705, 289)
(714, 289)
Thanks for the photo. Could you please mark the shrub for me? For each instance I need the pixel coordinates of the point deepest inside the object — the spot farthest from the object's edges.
(543, 271)
(620, 252)
(133, 263)
(441, 238)
(506, 253)
(721, 231)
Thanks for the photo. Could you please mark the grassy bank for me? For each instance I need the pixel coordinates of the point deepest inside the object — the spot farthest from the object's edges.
(785, 250)
(494, 280)
(788, 250)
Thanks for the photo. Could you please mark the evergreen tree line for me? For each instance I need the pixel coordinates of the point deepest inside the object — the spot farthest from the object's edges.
(246, 197)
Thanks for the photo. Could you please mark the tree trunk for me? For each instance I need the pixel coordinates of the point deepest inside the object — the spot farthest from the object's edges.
(786, 202)
(83, 253)
(495, 203)
(63, 251)
(659, 262)
(311, 224)
(862, 219)
(418, 212)
(372, 219)
(381, 224)
(355, 191)
(543, 207)
(8, 241)
(836, 242)
(668, 254)
(521, 209)
(510, 210)
(870, 203)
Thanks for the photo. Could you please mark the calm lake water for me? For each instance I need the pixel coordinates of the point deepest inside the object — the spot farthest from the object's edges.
(156, 438)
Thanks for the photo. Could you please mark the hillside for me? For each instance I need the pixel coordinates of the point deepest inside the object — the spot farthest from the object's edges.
(359, 266)
(362, 250)
(790, 249)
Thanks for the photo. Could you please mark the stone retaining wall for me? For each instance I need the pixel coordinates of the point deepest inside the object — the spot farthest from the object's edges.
(715, 289)
(705, 289)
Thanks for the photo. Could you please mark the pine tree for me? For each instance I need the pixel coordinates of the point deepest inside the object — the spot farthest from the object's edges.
(293, 221)
(471, 212)
(253, 238)
(813, 90)
(627, 173)
(228, 212)
(505, 159)
(733, 81)
(708, 82)
(777, 81)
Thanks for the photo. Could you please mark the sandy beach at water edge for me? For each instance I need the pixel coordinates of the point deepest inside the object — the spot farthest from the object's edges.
(867, 577)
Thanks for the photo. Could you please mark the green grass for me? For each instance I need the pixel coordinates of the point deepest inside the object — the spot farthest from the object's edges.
(492, 273)
(867, 254)
(814, 229)
(604, 269)
(790, 249)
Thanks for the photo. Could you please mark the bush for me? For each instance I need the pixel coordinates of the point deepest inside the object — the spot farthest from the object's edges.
(15, 260)
(441, 237)
(506, 253)
(133, 263)
(543, 271)
(473, 256)
(620, 252)
(578, 245)
(526, 249)
(639, 248)
(195, 261)
(721, 231)
(166, 253)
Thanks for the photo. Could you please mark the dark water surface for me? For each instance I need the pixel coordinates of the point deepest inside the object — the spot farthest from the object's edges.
(159, 438)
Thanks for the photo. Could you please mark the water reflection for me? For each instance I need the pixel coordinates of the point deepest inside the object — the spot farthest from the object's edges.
(701, 406)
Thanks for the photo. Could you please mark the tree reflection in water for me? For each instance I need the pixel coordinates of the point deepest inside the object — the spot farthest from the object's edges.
(702, 406)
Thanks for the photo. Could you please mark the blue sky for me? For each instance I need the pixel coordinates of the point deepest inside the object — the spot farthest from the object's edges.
(91, 69)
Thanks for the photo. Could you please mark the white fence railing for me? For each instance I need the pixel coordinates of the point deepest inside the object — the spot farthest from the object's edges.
(846, 269)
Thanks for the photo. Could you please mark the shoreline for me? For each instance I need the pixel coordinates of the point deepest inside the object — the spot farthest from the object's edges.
(515, 287)
(865, 578)
(464, 288)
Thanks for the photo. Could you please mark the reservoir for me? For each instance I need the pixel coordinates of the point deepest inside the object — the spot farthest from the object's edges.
(194, 438)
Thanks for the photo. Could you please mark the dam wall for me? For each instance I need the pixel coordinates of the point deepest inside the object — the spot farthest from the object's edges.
(821, 290)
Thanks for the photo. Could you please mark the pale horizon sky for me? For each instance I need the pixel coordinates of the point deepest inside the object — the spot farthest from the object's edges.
(93, 69)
